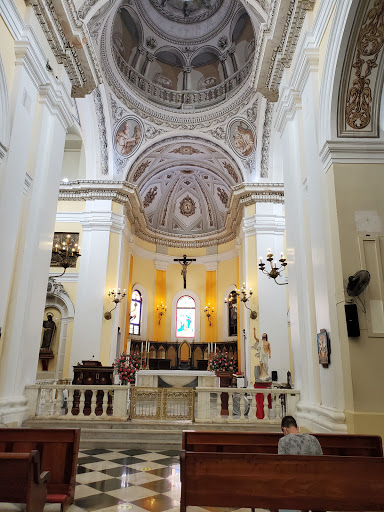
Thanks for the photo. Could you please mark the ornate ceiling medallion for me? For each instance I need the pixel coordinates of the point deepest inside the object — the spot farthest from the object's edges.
(186, 150)
(187, 206)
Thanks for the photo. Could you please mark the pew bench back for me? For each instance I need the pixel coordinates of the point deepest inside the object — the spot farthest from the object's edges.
(279, 481)
(260, 442)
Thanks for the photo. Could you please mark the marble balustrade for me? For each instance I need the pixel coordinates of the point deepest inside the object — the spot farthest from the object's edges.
(270, 405)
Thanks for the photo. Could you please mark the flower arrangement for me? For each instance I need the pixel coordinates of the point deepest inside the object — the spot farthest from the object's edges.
(223, 363)
(126, 366)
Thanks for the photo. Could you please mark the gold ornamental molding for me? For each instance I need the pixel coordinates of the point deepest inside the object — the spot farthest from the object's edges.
(363, 74)
(70, 43)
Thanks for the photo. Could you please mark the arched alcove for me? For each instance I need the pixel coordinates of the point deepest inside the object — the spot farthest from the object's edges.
(144, 313)
(58, 298)
(225, 317)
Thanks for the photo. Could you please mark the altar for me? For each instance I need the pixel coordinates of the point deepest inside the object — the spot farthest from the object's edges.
(176, 379)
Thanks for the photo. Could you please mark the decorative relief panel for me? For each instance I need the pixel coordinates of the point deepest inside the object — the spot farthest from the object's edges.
(363, 75)
(241, 137)
(128, 136)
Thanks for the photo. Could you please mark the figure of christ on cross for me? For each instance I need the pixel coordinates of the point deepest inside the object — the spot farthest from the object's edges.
(184, 264)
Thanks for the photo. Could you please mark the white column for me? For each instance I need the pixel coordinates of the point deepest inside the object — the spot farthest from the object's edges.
(24, 314)
(97, 223)
(270, 228)
(12, 177)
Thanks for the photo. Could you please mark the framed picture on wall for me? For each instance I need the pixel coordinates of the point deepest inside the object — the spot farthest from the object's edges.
(323, 347)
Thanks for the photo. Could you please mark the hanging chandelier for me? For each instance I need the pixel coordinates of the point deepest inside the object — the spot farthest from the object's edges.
(65, 254)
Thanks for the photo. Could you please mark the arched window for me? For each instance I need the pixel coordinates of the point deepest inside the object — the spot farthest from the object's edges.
(185, 317)
(232, 314)
(136, 303)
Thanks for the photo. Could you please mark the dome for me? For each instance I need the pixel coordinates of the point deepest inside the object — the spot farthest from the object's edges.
(185, 188)
(183, 55)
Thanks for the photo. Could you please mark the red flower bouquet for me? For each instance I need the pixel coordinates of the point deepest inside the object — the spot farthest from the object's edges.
(126, 366)
(223, 363)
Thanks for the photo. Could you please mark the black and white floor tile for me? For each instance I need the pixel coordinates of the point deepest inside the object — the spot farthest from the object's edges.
(127, 481)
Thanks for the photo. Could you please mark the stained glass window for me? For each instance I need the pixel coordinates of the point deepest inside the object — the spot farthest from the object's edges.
(185, 317)
(134, 326)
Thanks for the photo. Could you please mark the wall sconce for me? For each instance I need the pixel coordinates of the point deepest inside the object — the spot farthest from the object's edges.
(209, 312)
(116, 297)
(162, 309)
(244, 297)
(274, 272)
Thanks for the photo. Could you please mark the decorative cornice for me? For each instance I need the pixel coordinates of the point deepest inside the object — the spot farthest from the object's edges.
(70, 43)
(352, 151)
(124, 193)
(68, 277)
(277, 43)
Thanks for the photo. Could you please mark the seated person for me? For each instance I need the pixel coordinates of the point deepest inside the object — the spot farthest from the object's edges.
(294, 443)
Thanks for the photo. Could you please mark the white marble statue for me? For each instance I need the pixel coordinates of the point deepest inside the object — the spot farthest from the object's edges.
(263, 352)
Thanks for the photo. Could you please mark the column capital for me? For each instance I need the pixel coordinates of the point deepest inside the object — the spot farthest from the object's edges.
(102, 221)
(187, 69)
(151, 57)
(223, 58)
(211, 266)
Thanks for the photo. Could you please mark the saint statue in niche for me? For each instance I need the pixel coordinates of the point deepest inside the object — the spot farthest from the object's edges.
(49, 328)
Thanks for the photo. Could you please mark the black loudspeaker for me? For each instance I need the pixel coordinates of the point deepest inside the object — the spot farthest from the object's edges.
(352, 319)
(274, 375)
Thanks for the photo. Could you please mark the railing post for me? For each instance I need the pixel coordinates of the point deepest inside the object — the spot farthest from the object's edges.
(120, 401)
(203, 405)
(218, 406)
(81, 403)
(242, 406)
(230, 405)
(265, 394)
(93, 403)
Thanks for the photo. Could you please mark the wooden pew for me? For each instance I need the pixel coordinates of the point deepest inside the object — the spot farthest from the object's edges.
(58, 450)
(260, 442)
(281, 481)
(21, 480)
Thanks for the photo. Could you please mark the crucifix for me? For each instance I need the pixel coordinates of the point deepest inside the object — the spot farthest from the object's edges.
(184, 264)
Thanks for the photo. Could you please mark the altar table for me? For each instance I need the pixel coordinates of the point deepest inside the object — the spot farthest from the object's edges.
(176, 378)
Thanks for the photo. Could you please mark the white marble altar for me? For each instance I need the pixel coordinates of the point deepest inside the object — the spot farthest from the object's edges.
(176, 378)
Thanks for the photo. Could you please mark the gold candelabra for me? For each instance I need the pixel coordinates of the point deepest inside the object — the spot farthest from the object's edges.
(244, 297)
(66, 254)
(275, 271)
(116, 297)
(209, 311)
(162, 309)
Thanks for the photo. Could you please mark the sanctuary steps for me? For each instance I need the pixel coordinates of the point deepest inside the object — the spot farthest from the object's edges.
(149, 435)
